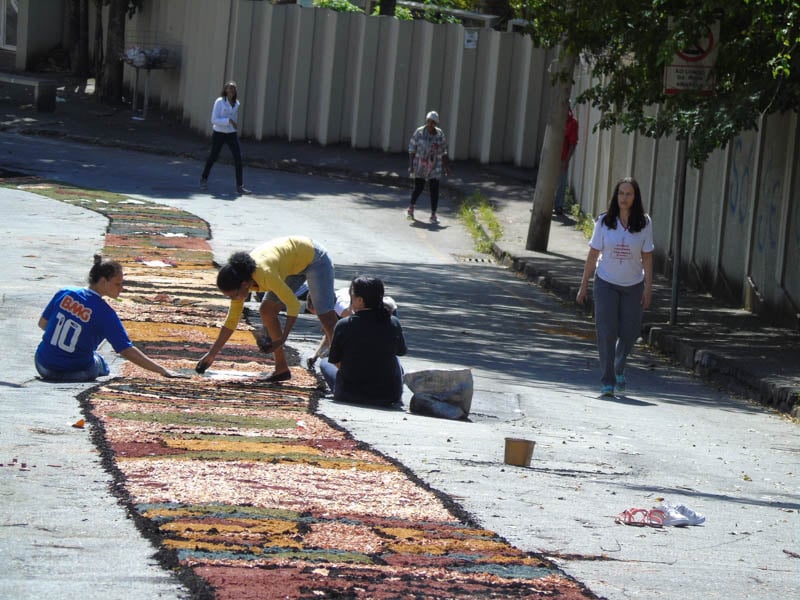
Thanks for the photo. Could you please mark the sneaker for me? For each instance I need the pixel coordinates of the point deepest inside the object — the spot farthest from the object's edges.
(203, 184)
(695, 518)
(669, 516)
(242, 191)
(410, 213)
(621, 383)
(607, 390)
(434, 219)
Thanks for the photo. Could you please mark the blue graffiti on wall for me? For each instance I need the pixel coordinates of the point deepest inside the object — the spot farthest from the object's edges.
(767, 233)
(741, 176)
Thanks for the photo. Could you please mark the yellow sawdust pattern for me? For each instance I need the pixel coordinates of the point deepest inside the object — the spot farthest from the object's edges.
(146, 330)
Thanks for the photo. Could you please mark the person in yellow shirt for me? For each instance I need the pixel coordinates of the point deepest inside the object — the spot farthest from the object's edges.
(277, 267)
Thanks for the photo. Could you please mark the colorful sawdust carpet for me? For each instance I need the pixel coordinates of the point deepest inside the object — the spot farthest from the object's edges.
(248, 492)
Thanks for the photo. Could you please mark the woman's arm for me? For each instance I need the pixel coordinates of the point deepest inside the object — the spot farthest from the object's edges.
(140, 359)
(42, 323)
(217, 118)
(588, 269)
(647, 295)
(208, 358)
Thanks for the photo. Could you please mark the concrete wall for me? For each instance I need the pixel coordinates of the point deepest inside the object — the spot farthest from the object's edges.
(315, 74)
(741, 225)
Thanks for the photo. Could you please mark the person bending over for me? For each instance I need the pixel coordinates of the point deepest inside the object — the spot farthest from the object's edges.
(278, 267)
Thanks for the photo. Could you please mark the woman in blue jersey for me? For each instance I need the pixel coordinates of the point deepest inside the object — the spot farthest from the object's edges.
(77, 320)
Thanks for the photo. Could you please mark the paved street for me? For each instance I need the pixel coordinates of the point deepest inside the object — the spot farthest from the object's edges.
(534, 364)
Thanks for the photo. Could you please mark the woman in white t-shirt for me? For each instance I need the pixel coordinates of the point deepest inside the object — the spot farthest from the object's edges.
(621, 256)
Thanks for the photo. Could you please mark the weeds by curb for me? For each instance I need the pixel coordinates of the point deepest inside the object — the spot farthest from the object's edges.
(478, 216)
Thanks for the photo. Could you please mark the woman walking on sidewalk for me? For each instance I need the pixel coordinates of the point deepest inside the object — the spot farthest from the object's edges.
(621, 256)
(427, 159)
(225, 123)
(279, 267)
(77, 320)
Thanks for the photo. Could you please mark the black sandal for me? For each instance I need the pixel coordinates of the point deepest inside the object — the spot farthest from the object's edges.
(276, 377)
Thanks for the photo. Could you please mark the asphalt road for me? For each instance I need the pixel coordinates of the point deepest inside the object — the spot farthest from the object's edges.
(535, 373)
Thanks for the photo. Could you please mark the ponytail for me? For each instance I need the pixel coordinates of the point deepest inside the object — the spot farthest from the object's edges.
(103, 269)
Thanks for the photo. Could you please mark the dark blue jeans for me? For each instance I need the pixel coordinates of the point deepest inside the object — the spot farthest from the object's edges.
(231, 140)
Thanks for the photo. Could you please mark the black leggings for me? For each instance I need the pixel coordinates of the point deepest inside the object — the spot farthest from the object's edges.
(218, 139)
(433, 189)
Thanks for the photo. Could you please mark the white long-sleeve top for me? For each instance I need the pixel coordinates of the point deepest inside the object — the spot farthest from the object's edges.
(222, 114)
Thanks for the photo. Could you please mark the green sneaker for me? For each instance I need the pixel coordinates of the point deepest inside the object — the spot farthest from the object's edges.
(607, 390)
(621, 383)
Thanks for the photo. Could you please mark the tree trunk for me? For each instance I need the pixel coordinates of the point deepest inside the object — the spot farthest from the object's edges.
(550, 160)
(499, 8)
(78, 22)
(110, 88)
(388, 7)
(76, 36)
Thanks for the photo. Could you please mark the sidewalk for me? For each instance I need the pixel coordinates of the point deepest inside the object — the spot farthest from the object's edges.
(725, 343)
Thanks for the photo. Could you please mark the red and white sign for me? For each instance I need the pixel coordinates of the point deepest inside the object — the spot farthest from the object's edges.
(692, 68)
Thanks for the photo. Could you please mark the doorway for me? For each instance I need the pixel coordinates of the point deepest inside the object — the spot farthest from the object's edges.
(9, 10)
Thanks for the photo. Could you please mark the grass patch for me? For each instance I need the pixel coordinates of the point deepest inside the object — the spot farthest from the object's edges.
(583, 222)
(478, 216)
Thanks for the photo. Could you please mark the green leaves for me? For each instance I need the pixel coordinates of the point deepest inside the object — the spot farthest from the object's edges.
(628, 44)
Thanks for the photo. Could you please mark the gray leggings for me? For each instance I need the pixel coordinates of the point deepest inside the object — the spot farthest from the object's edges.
(618, 321)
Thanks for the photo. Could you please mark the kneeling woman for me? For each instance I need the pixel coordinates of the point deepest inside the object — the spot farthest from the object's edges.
(362, 365)
(77, 320)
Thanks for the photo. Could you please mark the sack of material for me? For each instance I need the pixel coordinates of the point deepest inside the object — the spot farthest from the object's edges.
(440, 393)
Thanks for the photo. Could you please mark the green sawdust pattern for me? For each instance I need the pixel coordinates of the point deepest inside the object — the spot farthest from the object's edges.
(421, 556)
(206, 419)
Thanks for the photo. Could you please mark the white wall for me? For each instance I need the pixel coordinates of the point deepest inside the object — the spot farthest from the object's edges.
(741, 226)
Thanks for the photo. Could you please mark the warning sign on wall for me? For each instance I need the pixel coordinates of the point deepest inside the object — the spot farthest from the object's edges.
(691, 69)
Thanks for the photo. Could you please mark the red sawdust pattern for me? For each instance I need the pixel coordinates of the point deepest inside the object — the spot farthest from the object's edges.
(158, 241)
(309, 581)
(238, 481)
(141, 449)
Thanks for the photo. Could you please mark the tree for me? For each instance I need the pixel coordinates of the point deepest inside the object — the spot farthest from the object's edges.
(500, 8)
(109, 79)
(387, 7)
(550, 159)
(628, 44)
(76, 36)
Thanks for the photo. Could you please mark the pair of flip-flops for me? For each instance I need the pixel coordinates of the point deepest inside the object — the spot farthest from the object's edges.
(641, 517)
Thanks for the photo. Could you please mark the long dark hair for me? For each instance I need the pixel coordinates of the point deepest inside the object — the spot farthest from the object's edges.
(370, 290)
(637, 219)
(240, 268)
(103, 269)
(223, 93)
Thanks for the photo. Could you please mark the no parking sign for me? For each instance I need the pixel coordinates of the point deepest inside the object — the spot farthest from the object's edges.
(692, 67)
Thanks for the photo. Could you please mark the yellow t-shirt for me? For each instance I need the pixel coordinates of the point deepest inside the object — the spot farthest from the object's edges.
(275, 261)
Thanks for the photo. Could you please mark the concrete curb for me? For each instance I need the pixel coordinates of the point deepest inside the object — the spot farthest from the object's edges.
(702, 361)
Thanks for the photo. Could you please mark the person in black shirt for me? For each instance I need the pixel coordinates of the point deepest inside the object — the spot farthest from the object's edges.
(362, 366)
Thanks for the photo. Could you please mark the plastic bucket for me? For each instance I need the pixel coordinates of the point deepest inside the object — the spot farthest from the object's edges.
(519, 452)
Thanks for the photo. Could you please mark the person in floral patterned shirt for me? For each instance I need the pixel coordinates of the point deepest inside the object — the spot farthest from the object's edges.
(427, 159)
